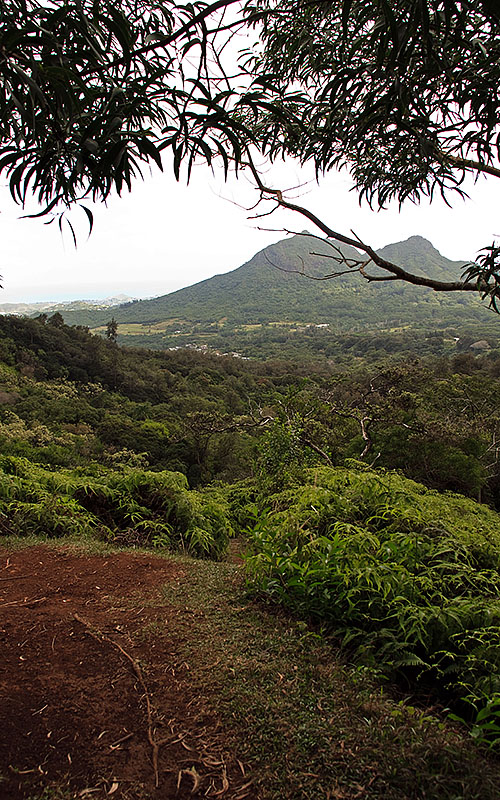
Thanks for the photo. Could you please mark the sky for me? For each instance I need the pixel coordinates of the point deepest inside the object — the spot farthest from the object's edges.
(165, 235)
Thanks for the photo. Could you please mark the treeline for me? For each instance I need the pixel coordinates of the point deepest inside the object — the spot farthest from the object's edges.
(68, 398)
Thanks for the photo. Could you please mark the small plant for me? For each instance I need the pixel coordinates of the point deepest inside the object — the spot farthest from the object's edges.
(485, 719)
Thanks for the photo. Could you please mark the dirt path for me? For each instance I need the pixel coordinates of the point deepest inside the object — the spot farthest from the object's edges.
(87, 644)
(126, 675)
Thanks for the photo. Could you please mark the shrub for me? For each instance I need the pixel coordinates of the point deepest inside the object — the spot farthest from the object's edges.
(407, 578)
(131, 506)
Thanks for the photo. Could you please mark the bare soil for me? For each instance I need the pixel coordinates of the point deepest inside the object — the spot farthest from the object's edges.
(95, 698)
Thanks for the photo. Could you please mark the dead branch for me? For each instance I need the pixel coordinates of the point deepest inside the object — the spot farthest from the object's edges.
(365, 422)
(211, 427)
(372, 463)
(395, 272)
(24, 602)
(302, 271)
(155, 744)
(307, 442)
(371, 278)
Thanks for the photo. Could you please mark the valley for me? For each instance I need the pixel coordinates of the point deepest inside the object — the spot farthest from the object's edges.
(308, 500)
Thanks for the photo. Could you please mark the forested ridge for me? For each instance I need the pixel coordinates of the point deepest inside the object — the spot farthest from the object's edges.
(279, 285)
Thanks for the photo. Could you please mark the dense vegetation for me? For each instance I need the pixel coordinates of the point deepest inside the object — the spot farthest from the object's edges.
(404, 576)
(182, 449)
(299, 343)
(131, 507)
(69, 398)
(99, 439)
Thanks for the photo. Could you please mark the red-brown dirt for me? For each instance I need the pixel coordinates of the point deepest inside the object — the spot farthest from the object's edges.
(87, 644)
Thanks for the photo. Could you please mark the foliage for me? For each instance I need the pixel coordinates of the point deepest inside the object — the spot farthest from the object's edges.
(406, 578)
(401, 92)
(308, 725)
(112, 330)
(93, 437)
(281, 456)
(92, 91)
(68, 398)
(131, 507)
(486, 720)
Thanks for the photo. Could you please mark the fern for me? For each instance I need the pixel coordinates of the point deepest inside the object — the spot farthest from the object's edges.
(399, 580)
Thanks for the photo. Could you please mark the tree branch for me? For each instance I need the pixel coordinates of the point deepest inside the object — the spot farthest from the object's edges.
(166, 40)
(308, 443)
(396, 272)
(467, 163)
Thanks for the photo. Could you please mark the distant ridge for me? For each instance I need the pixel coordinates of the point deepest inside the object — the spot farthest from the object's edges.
(270, 288)
(51, 306)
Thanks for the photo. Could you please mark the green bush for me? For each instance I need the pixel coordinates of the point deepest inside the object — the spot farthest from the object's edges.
(130, 506)
(407, 578)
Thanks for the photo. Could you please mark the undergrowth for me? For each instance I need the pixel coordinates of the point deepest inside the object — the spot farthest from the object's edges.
(128, 507)
(407, 579)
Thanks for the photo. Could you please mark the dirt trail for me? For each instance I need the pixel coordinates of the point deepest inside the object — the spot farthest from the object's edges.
(87, 642)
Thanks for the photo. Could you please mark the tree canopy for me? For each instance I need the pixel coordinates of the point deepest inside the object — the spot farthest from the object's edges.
(403, 94)
(92, 89)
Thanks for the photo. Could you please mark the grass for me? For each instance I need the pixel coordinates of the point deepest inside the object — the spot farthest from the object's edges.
(309, 725)
(305, 724)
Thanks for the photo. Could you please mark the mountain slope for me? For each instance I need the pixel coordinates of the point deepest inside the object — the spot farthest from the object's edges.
(269, 288)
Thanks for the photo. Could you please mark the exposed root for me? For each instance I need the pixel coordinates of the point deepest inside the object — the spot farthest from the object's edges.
(217, 768)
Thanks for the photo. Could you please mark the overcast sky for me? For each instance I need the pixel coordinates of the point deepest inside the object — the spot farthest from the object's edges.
(164, 235)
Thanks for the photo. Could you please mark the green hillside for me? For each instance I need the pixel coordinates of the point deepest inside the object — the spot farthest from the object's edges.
(268, 289)
(339, 486)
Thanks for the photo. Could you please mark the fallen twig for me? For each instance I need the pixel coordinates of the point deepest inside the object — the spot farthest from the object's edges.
(155, 745)
(118, 742)
(23, 602)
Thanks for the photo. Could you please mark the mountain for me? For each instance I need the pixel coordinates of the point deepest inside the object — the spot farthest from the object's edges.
(270, 289)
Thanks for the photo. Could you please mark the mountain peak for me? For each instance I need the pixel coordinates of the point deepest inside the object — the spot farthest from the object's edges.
(419, 256)
(273, 287)
(422, 243)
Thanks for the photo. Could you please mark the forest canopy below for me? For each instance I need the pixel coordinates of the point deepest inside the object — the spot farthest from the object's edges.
(70, 397)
